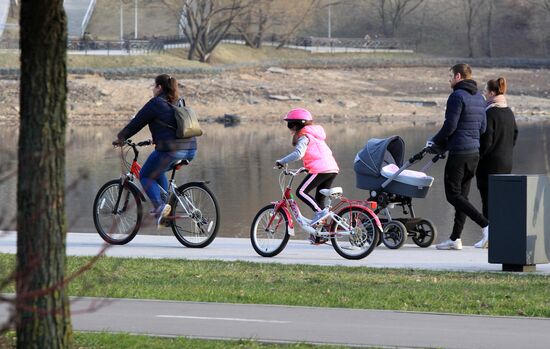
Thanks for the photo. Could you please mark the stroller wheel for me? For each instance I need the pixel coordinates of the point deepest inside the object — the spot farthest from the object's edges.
(384, 222)
(425, 233)
(394, 234)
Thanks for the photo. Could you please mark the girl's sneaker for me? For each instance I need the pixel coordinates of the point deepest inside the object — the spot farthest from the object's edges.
(319, 215)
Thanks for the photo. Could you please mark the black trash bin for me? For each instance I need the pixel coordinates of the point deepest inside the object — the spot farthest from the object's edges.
(519, 216)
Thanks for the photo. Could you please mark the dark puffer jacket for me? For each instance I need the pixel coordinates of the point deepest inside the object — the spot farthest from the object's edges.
(164, 137)
(465, 120)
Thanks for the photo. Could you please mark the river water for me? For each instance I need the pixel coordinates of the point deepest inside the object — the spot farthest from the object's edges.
(238, 162)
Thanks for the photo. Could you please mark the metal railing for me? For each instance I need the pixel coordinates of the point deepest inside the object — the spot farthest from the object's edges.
(160, 44)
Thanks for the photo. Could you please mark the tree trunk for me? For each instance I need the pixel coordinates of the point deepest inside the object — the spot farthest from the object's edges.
(469, 25)
(490, 30)
(43, 315)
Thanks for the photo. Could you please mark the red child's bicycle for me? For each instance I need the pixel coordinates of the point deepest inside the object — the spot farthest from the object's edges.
(351, 226)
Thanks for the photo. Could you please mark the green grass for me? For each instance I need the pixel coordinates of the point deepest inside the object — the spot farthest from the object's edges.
(303, 285)
(84, 340)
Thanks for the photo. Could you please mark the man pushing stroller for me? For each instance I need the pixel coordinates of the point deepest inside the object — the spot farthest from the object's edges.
(464, 123)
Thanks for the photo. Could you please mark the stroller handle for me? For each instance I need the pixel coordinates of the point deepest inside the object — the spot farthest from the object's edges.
(427, 150)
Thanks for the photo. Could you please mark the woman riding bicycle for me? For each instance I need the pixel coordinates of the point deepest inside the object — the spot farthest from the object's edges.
(158, 113)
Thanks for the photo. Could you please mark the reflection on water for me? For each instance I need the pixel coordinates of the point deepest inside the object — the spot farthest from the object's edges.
(238, 162)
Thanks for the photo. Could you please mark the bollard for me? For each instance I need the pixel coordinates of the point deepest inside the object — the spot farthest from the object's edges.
(519, 216)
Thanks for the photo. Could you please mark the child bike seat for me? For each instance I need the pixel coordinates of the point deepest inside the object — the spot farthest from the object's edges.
(331, 191)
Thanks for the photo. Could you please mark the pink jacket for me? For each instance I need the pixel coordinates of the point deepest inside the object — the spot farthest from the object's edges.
(318, 157)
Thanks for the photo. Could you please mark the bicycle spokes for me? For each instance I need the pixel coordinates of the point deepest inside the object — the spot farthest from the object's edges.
(195, 215)
(117, 212)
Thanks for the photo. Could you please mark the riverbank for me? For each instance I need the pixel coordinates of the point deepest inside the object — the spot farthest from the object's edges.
(399, 94)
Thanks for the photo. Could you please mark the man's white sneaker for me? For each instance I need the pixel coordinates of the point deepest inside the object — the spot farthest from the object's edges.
(450, 245)
(484, 242)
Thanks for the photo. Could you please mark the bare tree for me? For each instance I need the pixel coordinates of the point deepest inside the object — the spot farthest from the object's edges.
(295, 20)
(392, 13)
(256, 19)
(471, 8)
(43, 315)
(490, 28)
(205, 23)
(545, 39)
(546, 5)
(281, 17)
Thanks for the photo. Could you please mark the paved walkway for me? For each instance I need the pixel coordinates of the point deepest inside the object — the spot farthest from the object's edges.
(271, 323)
(76, 10)
(4, 11)
(296, 252)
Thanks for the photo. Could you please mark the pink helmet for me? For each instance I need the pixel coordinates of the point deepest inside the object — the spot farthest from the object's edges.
(298, 114)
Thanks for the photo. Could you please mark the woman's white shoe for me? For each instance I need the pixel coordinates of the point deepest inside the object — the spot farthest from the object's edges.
(484, 242)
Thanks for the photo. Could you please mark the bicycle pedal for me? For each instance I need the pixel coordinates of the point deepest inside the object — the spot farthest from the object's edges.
(317, 240)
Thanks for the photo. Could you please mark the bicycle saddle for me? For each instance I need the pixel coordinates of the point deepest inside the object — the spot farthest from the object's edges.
(331, 191)
(178, 164)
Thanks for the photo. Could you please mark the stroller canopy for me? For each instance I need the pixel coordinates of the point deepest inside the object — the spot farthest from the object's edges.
(379, 153)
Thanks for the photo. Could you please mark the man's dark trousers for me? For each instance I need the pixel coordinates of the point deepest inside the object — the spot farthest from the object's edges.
(459, 172)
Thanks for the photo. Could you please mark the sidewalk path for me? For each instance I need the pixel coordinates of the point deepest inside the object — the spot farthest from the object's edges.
(4, 11)
(271, 323)
(296, 252)
(76, 10)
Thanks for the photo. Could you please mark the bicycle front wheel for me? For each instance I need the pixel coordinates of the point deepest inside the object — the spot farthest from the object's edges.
(269, 231)
(195, 215)
(117, 212)
(360, 239)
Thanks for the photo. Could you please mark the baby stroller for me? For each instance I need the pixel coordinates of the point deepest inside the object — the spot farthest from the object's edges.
(379, 168)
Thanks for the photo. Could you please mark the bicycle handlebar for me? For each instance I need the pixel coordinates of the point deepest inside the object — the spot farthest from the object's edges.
(145, 143)
(129, 143)
(133, 145)
(294, 172)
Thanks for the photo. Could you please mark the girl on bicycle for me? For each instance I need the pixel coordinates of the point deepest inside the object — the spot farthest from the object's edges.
(310, 146)
(158, 114)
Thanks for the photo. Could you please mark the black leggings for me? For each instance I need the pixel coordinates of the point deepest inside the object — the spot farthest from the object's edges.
(319, 180)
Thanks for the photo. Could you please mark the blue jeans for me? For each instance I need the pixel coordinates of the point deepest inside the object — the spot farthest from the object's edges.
(152, 172)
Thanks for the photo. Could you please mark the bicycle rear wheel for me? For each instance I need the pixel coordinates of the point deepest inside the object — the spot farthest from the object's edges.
(363, 237)
(268, 239)
(117, 212)
(195, 215)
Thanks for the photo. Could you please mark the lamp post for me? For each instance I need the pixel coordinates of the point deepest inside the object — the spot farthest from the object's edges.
(329, 21)
(136, 20)
(121, 23)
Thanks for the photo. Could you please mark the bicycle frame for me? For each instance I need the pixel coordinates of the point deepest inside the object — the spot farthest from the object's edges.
(289, 207)
(134, 172)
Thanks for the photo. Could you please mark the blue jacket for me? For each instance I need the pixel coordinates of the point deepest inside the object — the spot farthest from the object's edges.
(164, 137)
(465, 120)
